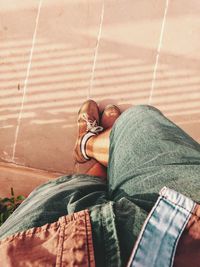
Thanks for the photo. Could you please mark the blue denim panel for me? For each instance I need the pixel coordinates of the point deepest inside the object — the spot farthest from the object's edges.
(158, 239)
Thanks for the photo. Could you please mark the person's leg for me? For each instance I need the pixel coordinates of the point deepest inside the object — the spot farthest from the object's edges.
(147, 152)
(98, 170)
(93, 148)
(97, 147)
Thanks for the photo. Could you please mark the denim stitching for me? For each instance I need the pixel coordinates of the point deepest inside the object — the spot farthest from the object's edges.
(180, 206)
(143, 231)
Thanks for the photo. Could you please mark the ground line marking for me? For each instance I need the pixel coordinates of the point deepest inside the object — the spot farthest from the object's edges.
(158, 52)
(26, 81)
(96, 50)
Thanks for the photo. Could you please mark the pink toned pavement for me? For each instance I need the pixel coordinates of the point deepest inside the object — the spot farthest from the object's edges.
(148, 52)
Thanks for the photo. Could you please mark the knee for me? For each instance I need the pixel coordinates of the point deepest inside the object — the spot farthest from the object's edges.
(142, 109)
(138, 121)
(143, 113)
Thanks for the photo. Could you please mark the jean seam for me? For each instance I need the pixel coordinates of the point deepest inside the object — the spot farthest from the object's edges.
(180, 206)
(143, 230)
